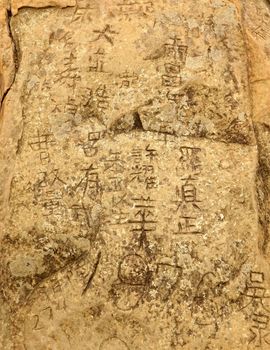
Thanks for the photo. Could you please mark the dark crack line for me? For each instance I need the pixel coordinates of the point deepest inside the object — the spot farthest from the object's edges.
(137, 122)
(15, 55)
(259, 80)
(262, 180)
(70, 263)
(44, 7)
(90, 279)
(267, 2)
(178, 136)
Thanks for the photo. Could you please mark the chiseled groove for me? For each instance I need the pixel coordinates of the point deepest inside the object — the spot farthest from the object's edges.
(263, 182)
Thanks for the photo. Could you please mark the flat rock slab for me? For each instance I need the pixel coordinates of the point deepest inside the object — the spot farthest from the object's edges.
(134, 168)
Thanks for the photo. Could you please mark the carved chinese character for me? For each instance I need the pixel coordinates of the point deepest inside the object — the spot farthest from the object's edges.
(175, 50)
(106, 33)
(187, 225)
(89, 183)
(97, 61)
(143, 220)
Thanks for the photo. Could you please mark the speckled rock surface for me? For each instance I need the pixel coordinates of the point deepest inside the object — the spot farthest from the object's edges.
(134, 175)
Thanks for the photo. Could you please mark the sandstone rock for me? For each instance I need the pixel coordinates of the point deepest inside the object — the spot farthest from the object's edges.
(135, 175)
(17, 4)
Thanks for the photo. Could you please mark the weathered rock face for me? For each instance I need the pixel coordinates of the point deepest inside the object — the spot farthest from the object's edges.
(135, 175)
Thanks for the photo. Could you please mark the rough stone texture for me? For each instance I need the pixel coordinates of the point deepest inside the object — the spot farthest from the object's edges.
(17, 4)
(6, 49)
(135, 174)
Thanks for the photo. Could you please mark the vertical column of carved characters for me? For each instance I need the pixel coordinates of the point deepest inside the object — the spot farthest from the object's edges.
(102, 38)
(187, 203)
(85, 197)
(114, 167)
(135, 279)
(45, 306)
(256, 304)
(87, 191)
(48, 191)
(143, 170)
(134, 276)
(143, 222)
(142, 178)
(69, 74)
(132, 283)
(175, 57)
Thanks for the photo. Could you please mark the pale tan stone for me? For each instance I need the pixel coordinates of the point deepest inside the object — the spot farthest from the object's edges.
(257, 25)
(135, 175)
(7, 69)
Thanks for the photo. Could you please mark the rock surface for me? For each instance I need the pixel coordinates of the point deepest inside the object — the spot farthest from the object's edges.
(135, 174)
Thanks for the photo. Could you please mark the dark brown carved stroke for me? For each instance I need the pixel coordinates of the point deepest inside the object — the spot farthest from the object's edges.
(92, 275)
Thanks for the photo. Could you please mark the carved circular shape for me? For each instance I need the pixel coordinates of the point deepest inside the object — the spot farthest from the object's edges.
(133, 270)
(113, 343)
